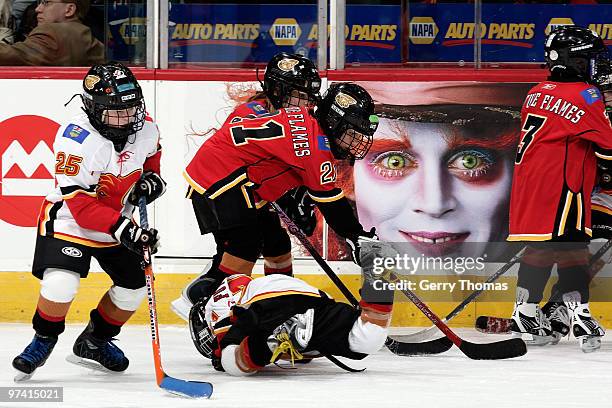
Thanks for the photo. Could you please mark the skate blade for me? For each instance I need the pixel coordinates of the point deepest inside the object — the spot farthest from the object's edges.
(533, 340)
(22, 377)
(589, 344)
(91, 364)
(181, 307)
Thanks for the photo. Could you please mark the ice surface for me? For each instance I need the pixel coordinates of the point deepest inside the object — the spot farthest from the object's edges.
(558, 375)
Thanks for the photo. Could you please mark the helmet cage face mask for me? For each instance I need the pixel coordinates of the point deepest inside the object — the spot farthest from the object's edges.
(201, 334)
(353, 136)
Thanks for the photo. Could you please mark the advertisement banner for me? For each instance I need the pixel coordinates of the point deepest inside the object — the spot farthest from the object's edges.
(509, 32)
(254, 33)
(439, 173)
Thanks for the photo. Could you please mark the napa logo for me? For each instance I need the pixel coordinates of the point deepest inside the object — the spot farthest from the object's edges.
(557, 22)
(423, 30)
(132, 30)
(285, 31)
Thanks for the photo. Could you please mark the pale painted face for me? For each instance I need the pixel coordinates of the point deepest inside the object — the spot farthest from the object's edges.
(429, 185)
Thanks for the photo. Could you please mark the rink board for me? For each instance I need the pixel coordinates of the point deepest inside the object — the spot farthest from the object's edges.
(20, 293)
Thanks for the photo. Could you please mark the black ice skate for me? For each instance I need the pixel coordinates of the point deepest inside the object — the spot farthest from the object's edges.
(98, 354)
(34, 356)
(201, 288)
(557, 314)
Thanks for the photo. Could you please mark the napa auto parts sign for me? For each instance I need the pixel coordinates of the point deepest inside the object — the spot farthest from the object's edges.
(509, 32)
(27, 167)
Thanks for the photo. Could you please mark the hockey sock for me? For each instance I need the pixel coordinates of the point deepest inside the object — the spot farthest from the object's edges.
(534, 271)
(50, 326)
(102, 328)
(275, 266)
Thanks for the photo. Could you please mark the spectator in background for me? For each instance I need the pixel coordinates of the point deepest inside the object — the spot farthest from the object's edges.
(6, 22)
(24, 18)
(60, 38)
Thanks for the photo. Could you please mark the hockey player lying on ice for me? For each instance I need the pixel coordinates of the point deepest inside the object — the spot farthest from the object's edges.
(249, 323)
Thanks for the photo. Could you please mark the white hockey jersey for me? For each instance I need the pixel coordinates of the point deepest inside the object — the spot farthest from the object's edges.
(93, 181)
(242, 291)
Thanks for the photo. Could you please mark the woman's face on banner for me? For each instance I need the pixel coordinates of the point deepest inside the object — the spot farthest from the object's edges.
(433, 186)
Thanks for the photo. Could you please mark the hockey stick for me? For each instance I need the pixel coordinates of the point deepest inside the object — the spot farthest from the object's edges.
(488, 351)
(501, 325)
(192, 389)
(424, 334)
(396, 347)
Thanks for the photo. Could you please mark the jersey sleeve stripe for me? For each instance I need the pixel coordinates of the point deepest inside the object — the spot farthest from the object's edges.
(268, 295)
(604, 154)
(529, 237)
(601, 208)
(193, 184)
(326, 196)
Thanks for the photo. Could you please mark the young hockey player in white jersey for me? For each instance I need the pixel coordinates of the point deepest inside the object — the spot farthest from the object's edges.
(249, 323)
(107, 158)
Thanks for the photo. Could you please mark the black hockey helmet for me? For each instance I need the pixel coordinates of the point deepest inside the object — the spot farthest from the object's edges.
(286, 73)
(346, 115)
(576, 53)
(201, 334)
(113, 102)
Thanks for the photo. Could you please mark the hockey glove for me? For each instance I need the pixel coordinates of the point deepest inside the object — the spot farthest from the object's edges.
(133, 237)
(298, 206)
(367, 247)
(150, 185)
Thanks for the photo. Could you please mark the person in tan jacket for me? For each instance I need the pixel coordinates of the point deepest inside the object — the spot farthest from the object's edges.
(60, 38)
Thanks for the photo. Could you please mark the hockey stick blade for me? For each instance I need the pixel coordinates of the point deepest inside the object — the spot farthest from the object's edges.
(436, 346)
(494, 351)
(191, 389)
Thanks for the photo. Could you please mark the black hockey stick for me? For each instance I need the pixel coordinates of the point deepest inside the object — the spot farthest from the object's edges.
(488, 351)
(423, 334)
(192, 389)
(396, 347)
(501, 325)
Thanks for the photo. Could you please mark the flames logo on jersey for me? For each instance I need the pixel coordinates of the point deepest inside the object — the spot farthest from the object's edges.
(91, 81)
(287, 64)
(113, 190)
(344, 100)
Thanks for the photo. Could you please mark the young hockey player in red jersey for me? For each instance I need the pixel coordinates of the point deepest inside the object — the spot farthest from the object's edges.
(249, 162)
(564, 129)
(250, 323)
(289, 80)
(101, 154)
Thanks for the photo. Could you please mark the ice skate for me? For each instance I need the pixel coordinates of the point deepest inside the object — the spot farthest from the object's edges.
(585, 328)
(199, 288)
(97, 354)
(34, 356)
(557, 314)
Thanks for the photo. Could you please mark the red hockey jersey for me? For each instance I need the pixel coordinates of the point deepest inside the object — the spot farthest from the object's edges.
(564, 127)
(271, 153)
